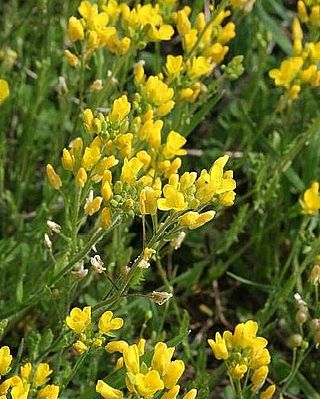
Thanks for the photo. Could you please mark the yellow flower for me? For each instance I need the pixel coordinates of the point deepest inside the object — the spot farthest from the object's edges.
(288, 71)
(42, 373)
(80, 347)
(75, 29)
(190, 394)
(4, 90)
(268, 393)
(219, 347)
(311, 200)
(5, 360)
(49, 392)
(130, 169)
(81, 177)
(107, 392)
(20, 391)
(148, 201)
(79, 320)
(172, 394)
(174, 65)
(90, 157)
(120, 109)
(173, 199)
(173, 145)
(161, 357)
(238, 371)
(158, 92)
(106, 191)
(148, 384)
(67, 160)
(226, 33)
(92, 204)
(193, 220)
(54, 179)
(173, 373)
(71, 58)
(116, 346)
(131, 359)
(25, 371)
(199, 66)
(164, 32)
(106, 218)
(107, 323)
(258, 378)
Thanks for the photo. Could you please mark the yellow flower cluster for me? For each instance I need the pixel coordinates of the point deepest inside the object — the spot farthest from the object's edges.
(116, 27)
(127, 161)
(28, 382)
(311, 200)
(146, 380)
(79, 321)
(244, 353)
(302, 67)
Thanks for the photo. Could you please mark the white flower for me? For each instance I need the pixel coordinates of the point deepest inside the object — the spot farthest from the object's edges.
(53, 227)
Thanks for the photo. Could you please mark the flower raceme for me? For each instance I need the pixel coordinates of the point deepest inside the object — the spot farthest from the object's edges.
(30, 380)
(137, 173)
(244, 352)
(146, 380)
(80, 322)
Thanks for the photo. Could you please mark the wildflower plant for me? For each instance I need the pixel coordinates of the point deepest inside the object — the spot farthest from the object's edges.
(152, 190)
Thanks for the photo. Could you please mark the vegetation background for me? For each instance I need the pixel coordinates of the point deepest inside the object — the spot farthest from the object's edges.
(247, 264)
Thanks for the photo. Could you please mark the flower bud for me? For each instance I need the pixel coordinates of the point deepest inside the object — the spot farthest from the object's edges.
(295, 340)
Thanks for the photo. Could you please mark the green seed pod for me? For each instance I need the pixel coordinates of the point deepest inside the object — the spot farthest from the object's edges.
(294, 341)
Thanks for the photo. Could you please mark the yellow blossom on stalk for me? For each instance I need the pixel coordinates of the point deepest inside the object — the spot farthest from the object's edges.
(190, 394)
(173, 373)
(107, 392)
(67, 160)
(198, 67)
(131, 359)
(159, 94)
(106, 217)
(108, 323)
(25, 371)
(258, 378)
(90, 157)
(71, 58)
(238, 371)
(193, 220)
(120, 109)
(49, 392)
(288, 71)
(20, 391)
(268, 393)
(5, 360)
(116, 346)
(174, 65)
(54, 179)
(81, 177)
(79, 320)
(130, 169)
(80, 347)
(148, 384)
(219, 347)
(92, 204)
(173, 145)
(148, 201)
(42, 373)
(311, 200)
(4, 90)
(173, 199)
(75, 29)
(161, 357)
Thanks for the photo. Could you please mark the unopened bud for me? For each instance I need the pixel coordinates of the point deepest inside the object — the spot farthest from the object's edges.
(315, 325)
(62, 87)
(301, 316)
(80, 347)
(295, 340)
